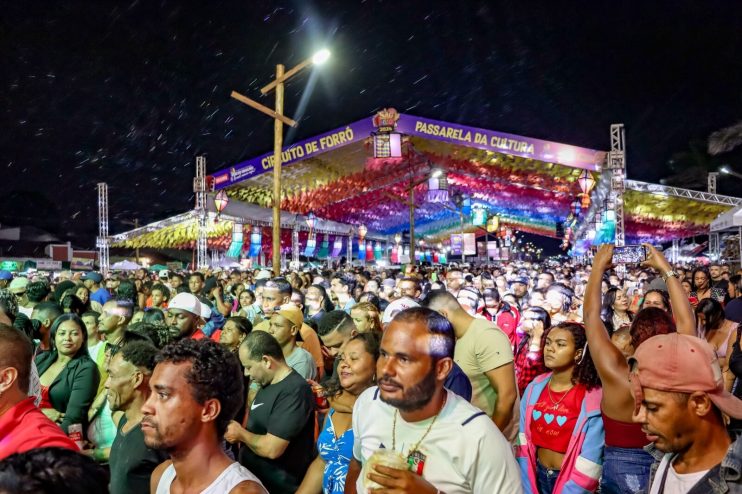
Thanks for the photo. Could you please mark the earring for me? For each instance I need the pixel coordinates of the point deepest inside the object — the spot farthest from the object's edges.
(373, 379)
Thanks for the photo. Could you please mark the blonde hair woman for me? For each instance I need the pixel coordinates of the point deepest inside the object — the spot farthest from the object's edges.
(366, 317)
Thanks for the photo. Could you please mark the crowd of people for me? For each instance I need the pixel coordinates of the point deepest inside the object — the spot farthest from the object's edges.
(517, 377)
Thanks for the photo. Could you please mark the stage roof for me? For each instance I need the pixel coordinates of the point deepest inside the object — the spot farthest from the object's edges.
(530, 183)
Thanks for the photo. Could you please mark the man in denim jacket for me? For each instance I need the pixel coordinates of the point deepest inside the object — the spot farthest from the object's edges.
(681, 402)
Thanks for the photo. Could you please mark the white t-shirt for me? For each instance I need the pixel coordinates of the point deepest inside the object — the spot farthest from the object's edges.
(464, 451)
(676, 483)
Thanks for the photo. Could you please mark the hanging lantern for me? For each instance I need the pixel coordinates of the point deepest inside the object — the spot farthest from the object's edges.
(362, 231)
(438, 188)
(220, 202)
(256, 240)
(311, 220)
(586, 181)
(235, 248)
(397, 238)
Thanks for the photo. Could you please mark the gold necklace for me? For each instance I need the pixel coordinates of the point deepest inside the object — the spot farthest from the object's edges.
(557, 403)
(417, 445)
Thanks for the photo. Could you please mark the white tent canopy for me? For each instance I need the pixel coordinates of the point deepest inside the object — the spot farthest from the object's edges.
(125, 266)
(728, 220)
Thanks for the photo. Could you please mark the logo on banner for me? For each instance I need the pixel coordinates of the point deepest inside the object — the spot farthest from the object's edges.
(386, 120)
(235, 174)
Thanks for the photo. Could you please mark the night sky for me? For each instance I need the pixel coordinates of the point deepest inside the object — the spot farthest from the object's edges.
(130, 93)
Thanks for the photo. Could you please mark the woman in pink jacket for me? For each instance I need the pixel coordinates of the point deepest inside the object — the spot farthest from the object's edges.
(560, 444)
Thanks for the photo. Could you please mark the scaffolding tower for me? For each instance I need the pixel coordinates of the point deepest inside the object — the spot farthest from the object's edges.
(617, 164)
(103, 241)
(199, 189)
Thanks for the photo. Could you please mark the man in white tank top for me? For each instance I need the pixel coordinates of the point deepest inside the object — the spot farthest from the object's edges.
(196, 390)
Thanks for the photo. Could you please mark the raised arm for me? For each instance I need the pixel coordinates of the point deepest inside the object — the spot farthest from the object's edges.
(685, 319)
(609, 361)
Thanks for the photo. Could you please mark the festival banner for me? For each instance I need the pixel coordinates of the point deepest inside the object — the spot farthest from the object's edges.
(526, 147)
(456, 244)
(470, 244)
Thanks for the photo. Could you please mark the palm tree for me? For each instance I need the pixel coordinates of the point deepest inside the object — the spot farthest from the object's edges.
(726, 139)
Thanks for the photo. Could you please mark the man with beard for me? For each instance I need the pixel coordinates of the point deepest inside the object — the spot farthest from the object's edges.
(131, 461)
(447, 444)
(681, 403)
(196, 390)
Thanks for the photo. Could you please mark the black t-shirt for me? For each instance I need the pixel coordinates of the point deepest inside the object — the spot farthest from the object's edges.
(285, 410)
(131, 461)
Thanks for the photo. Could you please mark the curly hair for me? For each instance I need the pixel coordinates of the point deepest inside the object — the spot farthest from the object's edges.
(160, 334)
(140, 354)
(51, 470)
(215, 373)
(650, 322)
(37, 291)
(584, 371)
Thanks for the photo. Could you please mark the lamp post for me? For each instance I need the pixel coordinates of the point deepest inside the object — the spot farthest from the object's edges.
(728, 171)
(278, 84)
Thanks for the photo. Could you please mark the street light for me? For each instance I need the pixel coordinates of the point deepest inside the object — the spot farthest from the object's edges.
(728, 171)
(279, 119)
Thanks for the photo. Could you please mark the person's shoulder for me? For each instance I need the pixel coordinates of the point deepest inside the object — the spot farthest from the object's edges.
(157, 474)
(466, 417)
(248, 487)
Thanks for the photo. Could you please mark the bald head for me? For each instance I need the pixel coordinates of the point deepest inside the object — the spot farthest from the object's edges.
(16, 352)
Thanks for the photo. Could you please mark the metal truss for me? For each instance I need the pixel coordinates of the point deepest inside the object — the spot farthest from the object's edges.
(617, 167)
(199, 188)
(668, 191)
(103, 242)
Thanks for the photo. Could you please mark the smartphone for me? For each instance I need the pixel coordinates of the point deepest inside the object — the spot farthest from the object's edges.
(629, 254)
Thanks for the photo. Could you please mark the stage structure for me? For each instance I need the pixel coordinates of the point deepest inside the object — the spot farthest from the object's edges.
(409, 178)
(199, 189)
(103, 241)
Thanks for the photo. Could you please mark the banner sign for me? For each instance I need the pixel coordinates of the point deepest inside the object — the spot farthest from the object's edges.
(470, 244)
(48, 265)
(526, 147)
(82, 263)
(456, 244)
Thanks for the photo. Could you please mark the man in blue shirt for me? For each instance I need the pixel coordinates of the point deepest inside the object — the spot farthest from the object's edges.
(92, 281)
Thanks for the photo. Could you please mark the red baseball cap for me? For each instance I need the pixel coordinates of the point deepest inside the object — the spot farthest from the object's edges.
(680, 363)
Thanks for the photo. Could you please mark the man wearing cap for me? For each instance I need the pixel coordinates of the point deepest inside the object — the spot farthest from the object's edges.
(681, 402)
(276, 294)
(18, 287)
(92, 281)
(187, 313)
(284, 326)
(5, 278)
(519, 288)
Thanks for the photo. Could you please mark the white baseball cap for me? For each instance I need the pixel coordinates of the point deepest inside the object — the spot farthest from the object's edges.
(190, 303)
(397, 306)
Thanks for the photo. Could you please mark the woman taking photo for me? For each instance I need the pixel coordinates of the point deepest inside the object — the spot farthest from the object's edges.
(356, 373)
(528, 355)
(626, 464)
(69, 377)
(557, 407)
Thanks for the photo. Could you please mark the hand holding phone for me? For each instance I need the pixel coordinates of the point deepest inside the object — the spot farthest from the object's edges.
(629, 254)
